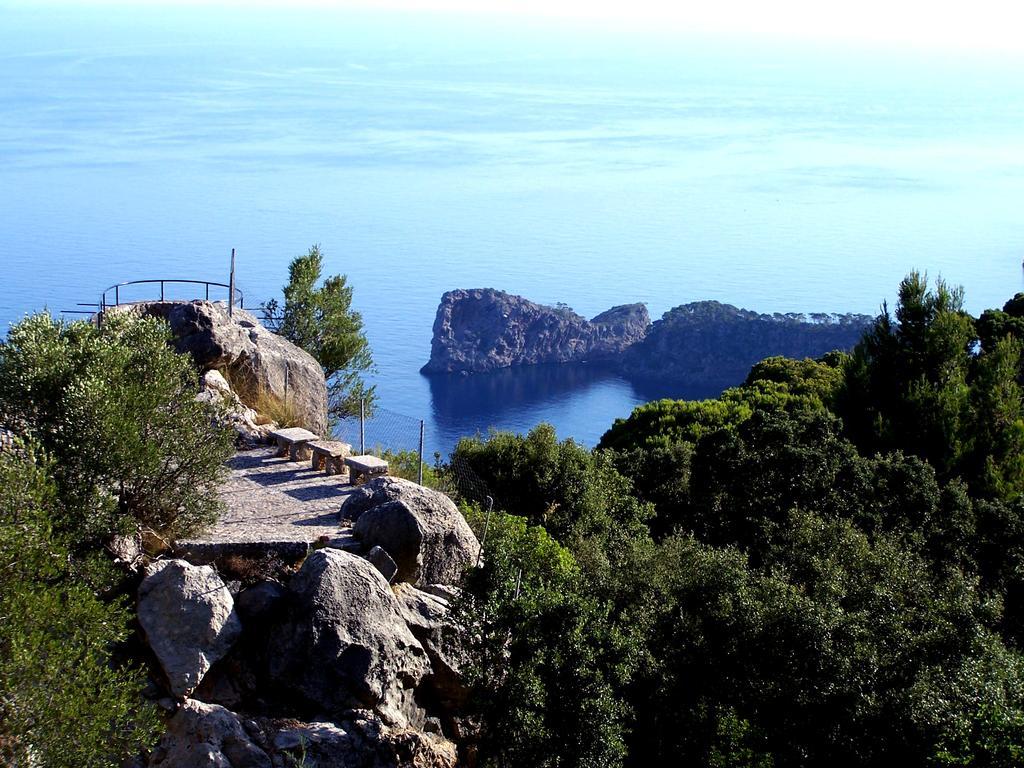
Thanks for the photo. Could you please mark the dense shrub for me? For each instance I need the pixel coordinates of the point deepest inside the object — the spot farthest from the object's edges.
(114, 407)
(544, 666)
(833, 574)
(63, 701)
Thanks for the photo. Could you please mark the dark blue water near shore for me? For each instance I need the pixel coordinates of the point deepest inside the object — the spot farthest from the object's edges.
(426, 154)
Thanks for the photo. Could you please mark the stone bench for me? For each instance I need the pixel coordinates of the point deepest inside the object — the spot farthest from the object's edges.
(293, 442)
(365, 467)
(329, 455)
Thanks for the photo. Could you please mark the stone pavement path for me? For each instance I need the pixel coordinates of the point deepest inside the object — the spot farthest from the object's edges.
(273, 503)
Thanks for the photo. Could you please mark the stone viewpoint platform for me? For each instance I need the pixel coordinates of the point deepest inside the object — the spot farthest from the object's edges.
(274, 506)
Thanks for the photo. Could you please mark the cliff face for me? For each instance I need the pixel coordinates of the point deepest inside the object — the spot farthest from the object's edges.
(709, 341)
(483, 330)
(704, 342)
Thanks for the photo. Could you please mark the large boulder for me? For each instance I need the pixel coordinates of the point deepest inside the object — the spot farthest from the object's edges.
(206, 736)
(421, 529)
(189, 620)
(345, 644)
(428, 616)
(258, 362)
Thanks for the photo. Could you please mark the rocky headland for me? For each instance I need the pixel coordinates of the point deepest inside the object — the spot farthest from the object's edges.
(483, 330)
(708, 341)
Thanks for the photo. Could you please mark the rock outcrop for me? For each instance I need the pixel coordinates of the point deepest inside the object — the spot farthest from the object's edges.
(249, 426)
(203, 735)
(422, 530)
(705, 342)
(709, 342)
(188, 617)
(258, 363)
(483, 330)
(428, 616)
(345, 644)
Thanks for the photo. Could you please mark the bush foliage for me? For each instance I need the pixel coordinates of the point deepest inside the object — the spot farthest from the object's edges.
(112, 440)
(114, 408)
(63, 703)
(822, 567)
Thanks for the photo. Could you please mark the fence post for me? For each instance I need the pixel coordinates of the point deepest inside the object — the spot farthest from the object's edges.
(420, 465)
(362, 426)
(231, 286)
(487, 524)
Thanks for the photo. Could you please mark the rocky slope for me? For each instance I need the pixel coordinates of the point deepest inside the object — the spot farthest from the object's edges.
(707, 341)
(484, 329)
(338, 660)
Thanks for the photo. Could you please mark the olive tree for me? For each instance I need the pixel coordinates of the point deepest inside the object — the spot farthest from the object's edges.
(114, 407)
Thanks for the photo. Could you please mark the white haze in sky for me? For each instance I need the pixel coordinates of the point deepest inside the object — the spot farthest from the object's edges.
(979, 26)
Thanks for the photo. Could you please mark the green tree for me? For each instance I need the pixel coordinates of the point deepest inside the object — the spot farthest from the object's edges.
(907, 382)
(64, 702)
(114, 407)
(828, 648)
(320, 319)
(544, 669)
(574, 493)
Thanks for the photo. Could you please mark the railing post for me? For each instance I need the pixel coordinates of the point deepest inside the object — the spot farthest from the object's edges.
(362, 426)
(117, 295)
(207, 291)
(161, 290)
(420, 465)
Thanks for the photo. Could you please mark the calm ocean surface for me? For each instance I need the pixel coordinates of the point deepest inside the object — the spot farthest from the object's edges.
(426, 154)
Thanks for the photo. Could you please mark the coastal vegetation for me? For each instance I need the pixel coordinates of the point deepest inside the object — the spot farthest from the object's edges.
(823, 566)
(820, 567)
(111, 442)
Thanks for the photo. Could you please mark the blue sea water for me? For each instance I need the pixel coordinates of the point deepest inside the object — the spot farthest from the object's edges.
(426, 153)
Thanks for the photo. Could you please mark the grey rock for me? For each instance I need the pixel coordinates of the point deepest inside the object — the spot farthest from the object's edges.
(421, 529)
(364, 742)
(483, 329)
(345, 643)
(255, 358)
(379, 491)
(428, 616)
(214, 389)
(382, 562)
(260, 601)
(446, 592)
(126, 551)
(188, 618)
(206, 736)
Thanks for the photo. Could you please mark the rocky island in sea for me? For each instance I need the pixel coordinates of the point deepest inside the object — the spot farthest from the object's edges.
(484, 329)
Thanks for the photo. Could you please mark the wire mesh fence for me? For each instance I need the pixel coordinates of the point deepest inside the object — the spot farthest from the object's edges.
(389, 435)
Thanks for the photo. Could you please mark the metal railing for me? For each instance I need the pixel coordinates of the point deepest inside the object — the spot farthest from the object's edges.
(116, 288)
